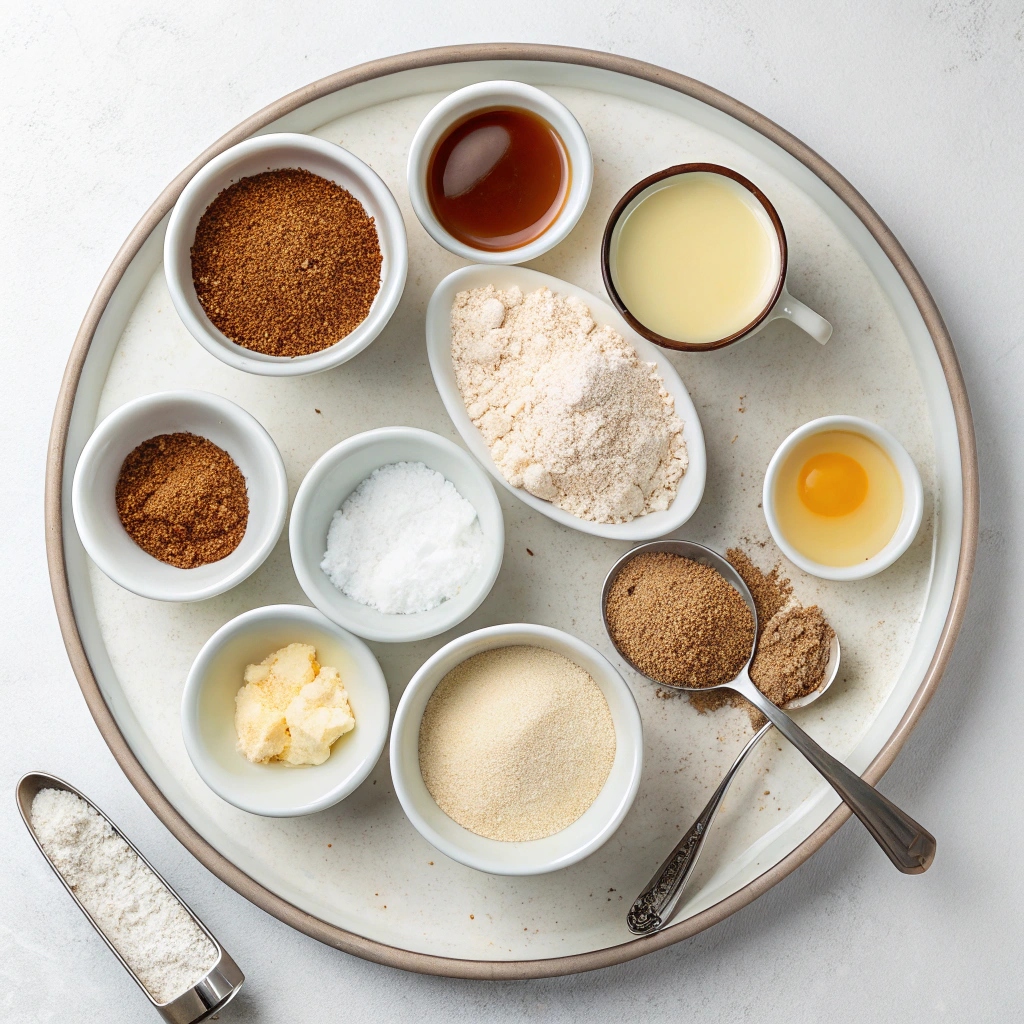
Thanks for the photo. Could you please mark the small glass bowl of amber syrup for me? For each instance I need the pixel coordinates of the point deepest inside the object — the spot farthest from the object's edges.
(499, 172)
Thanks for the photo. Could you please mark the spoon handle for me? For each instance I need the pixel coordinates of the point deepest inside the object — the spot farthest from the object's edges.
(909, 846)
(654, 907)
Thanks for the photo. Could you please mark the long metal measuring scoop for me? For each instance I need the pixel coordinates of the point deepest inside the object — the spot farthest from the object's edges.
(211, 992)
(909, 846)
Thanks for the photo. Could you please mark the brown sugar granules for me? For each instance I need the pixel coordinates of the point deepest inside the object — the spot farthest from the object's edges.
(770, 590)
(182, 499)
(792, 654)
(678, 621)
(792, 650)
(286, 263)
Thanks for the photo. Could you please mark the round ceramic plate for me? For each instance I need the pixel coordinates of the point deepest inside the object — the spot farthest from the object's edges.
(358, 876)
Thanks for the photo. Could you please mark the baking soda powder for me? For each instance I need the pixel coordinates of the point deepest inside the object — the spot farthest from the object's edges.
(404, 541)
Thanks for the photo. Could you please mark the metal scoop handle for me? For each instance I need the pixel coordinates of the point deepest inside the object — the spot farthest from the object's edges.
(906, 843)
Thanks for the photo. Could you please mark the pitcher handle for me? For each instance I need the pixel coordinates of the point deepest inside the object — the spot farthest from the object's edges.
(803, 316)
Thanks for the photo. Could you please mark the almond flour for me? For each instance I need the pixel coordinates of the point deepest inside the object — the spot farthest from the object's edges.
(568, 409)
(516, 743)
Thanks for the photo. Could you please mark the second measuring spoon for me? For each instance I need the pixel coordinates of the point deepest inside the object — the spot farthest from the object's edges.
(654, 907)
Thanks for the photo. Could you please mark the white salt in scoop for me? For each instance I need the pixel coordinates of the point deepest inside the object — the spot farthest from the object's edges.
(173, 958)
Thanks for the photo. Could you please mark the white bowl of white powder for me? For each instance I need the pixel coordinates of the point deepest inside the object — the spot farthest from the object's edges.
(396, 534)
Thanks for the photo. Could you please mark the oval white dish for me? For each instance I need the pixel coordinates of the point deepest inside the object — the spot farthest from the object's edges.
(269, 152)
(279, 790)
(580, 839)
(336, 474)
(229, 427)
(438, 330)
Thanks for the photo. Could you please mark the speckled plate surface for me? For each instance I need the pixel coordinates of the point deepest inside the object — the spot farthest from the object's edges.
(358, 876)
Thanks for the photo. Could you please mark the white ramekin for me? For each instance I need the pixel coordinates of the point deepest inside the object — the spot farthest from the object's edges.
(485, 96)
(197, 412)
(272, 152)
(585, 835)
(913, 498)
(336, 474)
(280, 790)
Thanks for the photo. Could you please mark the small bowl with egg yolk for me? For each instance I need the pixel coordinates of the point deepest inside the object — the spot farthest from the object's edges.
(276, 788)
(842, 497)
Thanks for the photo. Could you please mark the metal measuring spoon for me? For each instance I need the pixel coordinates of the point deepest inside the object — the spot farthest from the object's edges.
(210, 993)
(909, 846)
(654, 907)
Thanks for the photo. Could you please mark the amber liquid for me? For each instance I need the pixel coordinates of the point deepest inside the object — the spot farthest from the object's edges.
(498, 179)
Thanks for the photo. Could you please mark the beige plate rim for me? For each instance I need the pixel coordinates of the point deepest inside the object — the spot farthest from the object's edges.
(203, 851)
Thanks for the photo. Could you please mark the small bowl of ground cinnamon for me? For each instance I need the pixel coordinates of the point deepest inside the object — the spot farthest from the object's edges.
(179, 496)
(285, 255)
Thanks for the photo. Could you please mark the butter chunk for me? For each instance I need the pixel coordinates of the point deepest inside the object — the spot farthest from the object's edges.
(290, 708)
(316, 718)
(262, 731)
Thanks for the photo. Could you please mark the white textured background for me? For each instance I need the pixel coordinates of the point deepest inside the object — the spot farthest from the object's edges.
(918, 103)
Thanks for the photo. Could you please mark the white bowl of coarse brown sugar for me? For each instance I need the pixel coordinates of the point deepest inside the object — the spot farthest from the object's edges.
(335, 168)
(216, 420)
(579, 838)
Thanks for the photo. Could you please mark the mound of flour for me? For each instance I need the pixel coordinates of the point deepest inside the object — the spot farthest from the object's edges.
(567, 408)
(148, 926)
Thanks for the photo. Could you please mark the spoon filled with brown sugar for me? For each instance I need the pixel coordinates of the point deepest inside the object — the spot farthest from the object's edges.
(699, 636)
(796, 661)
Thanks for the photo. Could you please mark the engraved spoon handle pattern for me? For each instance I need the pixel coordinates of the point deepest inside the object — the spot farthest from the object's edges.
(654, 907)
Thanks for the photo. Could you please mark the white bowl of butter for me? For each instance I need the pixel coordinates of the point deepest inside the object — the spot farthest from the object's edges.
(276, 788)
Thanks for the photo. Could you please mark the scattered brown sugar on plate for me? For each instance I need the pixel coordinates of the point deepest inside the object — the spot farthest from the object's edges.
(770, 590)
(286, 263)
(182, 499)
(792, 650)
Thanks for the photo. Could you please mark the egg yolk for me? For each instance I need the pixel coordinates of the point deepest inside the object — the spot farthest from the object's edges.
(832, 484)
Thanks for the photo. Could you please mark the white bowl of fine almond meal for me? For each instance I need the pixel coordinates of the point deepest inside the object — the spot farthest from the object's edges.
(517, 750)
